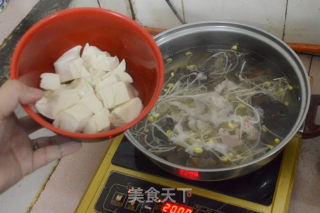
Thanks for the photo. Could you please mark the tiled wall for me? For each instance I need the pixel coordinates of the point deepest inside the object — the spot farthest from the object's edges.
(291, 20)
(8, 21)
(265, 14)
(303, 21)
(121, 6)
(156, 13)
(84, 3)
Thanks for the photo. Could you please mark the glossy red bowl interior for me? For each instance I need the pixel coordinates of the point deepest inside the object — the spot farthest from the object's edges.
(48, 39)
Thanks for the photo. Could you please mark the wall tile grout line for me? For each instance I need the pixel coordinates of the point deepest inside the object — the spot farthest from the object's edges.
(175, 12)
(285, 20)
(183, 13)
(133, 16)
(310, 64)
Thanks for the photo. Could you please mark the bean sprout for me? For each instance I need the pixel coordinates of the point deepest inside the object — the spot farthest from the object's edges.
(208, 110)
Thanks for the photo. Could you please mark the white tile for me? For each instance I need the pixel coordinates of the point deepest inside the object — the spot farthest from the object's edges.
(84, 3)
(314, 72)
(19, 197)
(266, 14)
(156, 13)
(70, 180)
(302, 22)
(11, 16)
(306, 60)
(305, 195)
(120, 6)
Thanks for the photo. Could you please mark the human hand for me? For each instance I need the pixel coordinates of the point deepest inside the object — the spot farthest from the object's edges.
(19, 155)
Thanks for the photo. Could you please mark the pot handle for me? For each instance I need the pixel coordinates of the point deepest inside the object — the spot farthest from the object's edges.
(311, 129)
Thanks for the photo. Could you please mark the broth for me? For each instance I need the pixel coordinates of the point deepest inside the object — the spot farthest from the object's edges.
(219, 108)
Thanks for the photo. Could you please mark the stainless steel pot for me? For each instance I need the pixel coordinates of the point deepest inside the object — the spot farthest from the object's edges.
(261, 42)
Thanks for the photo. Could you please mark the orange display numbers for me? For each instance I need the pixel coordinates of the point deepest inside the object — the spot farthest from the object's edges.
(175, 208)
(166, 207)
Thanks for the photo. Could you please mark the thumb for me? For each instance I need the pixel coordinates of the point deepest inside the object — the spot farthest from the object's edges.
(14, 92)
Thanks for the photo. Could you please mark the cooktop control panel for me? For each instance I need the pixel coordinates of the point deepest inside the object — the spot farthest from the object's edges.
(123, 194)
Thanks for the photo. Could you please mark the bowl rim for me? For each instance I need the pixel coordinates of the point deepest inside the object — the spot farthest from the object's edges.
(88, 10)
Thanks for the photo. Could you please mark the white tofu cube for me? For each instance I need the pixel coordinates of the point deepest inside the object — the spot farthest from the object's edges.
(133, 91)
(62, 99)
(98, 60)
(95, 77)
(73, 119)
(43, 107)
(70, 70)
(89, 51)
(49, 81)
(98, 122)
(114, 95)
(77, 67)
(104, 63)
(126, 112)
(70, 54)
(91, 101)
(124, 77)
(53, 103)
(81, 86)
(121, 67)
(61, 65)
(108, 80)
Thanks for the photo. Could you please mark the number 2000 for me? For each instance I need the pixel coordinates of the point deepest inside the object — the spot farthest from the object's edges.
(175, 208)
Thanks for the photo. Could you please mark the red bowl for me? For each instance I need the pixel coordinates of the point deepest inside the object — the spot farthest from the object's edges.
(48, 39)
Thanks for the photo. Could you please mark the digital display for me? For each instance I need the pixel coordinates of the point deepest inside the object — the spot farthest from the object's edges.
(189, 174)
(169, 207)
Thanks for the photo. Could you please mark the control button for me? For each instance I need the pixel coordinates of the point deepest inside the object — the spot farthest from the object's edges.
(132, 205)
(119, 197)
(147, 208)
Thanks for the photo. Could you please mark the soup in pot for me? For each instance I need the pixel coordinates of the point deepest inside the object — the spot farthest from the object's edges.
(219, 108)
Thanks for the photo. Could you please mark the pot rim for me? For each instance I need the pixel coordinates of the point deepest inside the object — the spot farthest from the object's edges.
(270, 39)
